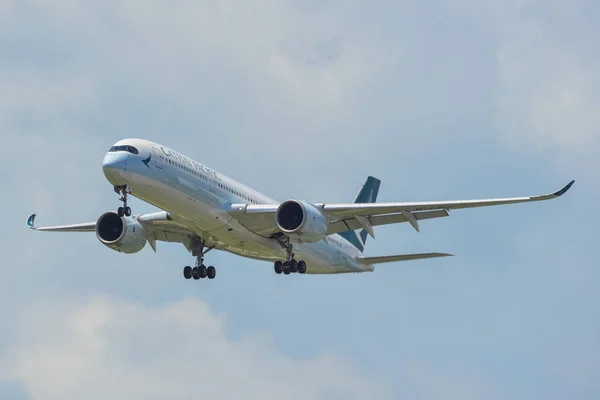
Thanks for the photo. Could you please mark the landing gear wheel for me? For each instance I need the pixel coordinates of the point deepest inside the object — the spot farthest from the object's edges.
(196, 273)
(301, 267)
(286, 268)
(198, 249)
(278, 267)
(202, 270)
(211, 272)
(293, 266)
(124, 191)
(187, 272)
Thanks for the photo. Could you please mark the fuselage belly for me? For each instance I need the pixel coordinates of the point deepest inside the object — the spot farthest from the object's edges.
(172, 182)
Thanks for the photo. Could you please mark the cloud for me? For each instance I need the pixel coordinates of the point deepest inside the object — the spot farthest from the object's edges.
(106, 347)
(302, 99)
(13, 390)
(274, 68)
(548, 88)
(551, 96)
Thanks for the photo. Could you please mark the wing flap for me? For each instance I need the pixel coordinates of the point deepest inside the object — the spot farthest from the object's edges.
(400, 257)
(350, 224)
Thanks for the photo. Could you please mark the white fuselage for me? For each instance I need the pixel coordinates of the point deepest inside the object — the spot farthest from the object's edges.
(200, 196)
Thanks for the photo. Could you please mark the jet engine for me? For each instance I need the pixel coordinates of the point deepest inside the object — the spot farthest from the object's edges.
(123, 234)
(301, 220)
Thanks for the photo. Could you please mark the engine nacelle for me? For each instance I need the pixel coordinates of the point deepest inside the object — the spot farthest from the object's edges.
(123, 234)
(301, 220)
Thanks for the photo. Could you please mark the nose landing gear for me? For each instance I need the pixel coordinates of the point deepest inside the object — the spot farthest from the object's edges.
(123, 191)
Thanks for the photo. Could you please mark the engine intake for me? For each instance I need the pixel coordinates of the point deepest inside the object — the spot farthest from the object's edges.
(290, 216)
(123, 234)
(301, 220)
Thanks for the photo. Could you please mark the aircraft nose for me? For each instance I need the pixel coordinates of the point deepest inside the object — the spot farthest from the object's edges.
(113, 165)
(114, 162)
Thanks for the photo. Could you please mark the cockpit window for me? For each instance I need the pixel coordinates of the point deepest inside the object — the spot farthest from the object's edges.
(129, 149)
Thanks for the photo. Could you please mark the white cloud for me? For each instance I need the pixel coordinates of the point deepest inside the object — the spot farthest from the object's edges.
(272, 67)
(173, 45)
(548, 87)
(110, 348)
(550, 96)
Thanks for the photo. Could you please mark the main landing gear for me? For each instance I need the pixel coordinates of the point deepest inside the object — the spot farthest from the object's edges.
(290, 267)
(123, 191)
(200, 271)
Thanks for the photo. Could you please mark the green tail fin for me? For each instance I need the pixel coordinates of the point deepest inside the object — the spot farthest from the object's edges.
(368, 194)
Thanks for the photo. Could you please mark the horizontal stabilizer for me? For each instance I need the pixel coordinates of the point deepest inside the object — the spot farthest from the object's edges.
(401, 257)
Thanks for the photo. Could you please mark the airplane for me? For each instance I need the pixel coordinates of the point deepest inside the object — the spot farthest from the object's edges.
(205, 210)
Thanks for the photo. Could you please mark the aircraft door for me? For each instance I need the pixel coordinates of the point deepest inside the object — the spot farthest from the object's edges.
(213, 184)
(157, 158)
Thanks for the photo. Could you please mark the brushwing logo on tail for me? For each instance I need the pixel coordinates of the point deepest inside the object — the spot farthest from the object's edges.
(368, 194)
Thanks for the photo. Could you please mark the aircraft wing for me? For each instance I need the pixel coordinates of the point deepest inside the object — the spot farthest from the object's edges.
(84, 227)
(387, 208)
(345, 217)
(161, 226)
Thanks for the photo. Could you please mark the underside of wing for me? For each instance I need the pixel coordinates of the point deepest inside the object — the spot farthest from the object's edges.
(352, 223)
(166, 227)
(82, 227)
(261, 218)
(164, 222)
(257, 218)
(370, 209)
(161, 226)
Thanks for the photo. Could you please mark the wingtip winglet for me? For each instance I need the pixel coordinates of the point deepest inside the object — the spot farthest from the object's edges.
(31, 221)
(564, 189)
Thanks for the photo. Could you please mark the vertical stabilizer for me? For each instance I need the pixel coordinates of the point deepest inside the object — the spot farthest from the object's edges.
(367, 194)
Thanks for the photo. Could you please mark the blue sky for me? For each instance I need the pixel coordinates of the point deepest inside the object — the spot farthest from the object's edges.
(453, 99)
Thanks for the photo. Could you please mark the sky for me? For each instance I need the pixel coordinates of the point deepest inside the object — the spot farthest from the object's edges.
(441, 100)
